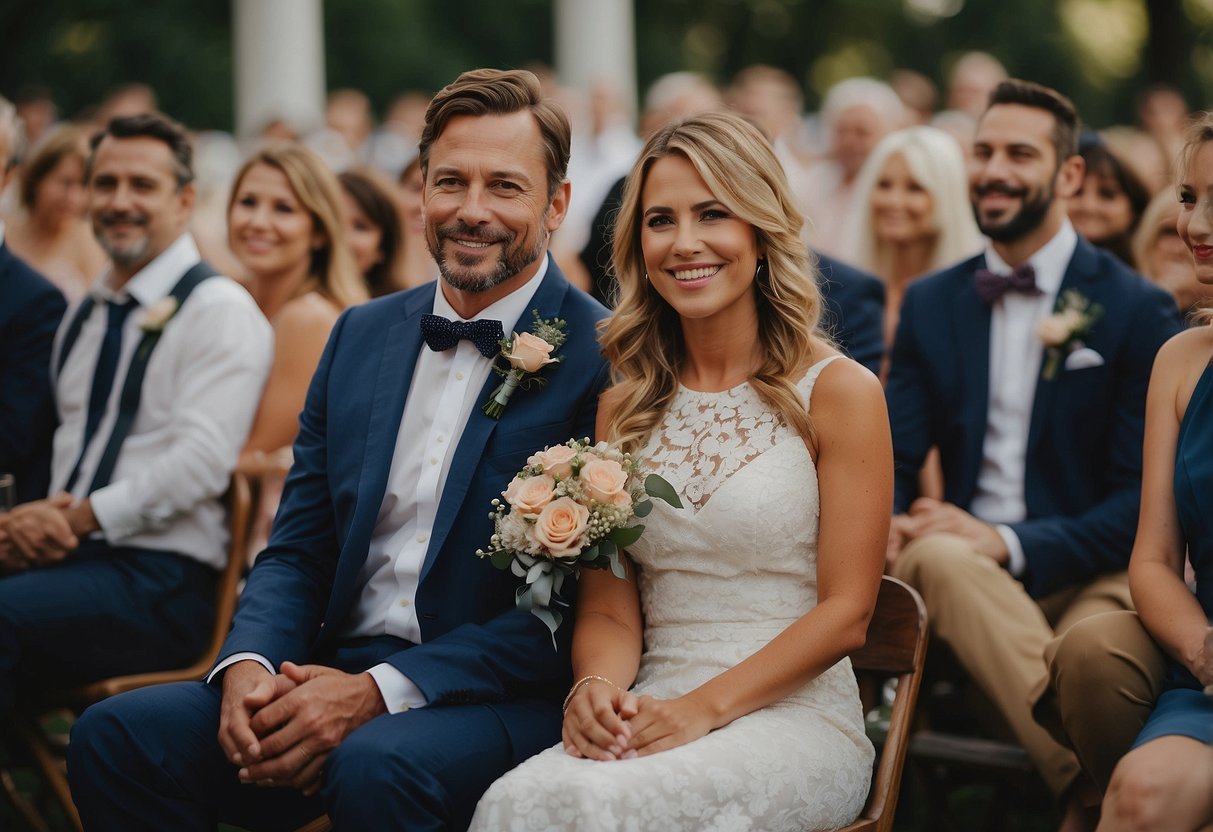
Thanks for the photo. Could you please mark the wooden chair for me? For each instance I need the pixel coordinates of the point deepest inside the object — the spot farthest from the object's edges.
(896, 649)
(50, 760)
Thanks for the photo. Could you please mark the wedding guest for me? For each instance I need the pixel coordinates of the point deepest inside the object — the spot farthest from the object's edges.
(1163, 783)
(1108, 205)
(713, 687)
(856, 114)
(971, 79)
(911, 213)
(1107, 672)
(30, 311)
(285, 227)
(424, 683)
(373, 230)
(1162, 256)
(1039, 437)
(418, 266)
(53, 235)
(156, 378)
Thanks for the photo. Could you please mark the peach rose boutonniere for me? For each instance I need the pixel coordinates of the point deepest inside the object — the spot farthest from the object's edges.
(157, 316)
(572, 507)
(1063, 331)
(527, 353)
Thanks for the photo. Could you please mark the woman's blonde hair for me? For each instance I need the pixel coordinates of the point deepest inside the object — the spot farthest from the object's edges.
(643, 340)
(937, 164)
(332, 271)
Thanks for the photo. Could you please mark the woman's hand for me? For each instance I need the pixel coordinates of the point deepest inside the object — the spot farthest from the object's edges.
(661, 724)
(1202, 668)
(595, 723)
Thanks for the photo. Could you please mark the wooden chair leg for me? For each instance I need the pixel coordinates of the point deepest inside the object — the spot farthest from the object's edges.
(26, 811)
(52, 768)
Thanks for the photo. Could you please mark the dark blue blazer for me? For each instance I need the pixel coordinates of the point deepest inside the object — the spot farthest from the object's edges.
(854, 310)
(1083, 465)
(30, 311)
(476, 647)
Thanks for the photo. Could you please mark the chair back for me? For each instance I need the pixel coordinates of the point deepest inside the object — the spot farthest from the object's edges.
(895, 649)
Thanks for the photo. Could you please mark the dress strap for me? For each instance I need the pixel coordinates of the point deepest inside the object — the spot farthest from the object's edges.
(810, 377)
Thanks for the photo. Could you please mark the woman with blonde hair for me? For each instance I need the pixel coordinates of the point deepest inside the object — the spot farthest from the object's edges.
(53, 235)
(1160, 255)
(286, 227)
(912, 213)
(1166, 781)
(714, 677)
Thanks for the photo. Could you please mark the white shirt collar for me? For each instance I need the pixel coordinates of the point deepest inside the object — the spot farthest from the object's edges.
(508, 310)
(155, 280)
(1, 232)
(1049, 261)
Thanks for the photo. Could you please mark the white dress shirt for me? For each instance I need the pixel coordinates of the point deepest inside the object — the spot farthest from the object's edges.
(200, 393)
(1015, 359)
(446, 386)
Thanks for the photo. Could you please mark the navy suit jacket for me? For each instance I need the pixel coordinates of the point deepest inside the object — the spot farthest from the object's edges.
(1083, 462)
(30, 311)
(476, 647)
(854, 310)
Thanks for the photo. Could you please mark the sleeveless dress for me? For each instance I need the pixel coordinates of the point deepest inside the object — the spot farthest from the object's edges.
(718, 580)
(1184, 709)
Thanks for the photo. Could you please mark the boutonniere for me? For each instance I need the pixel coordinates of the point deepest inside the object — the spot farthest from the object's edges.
(526, 353)
(159, 314)
(1063, 331)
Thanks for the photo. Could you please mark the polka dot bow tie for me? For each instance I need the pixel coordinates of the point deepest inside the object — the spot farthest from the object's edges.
(991, 285)
(442, 333)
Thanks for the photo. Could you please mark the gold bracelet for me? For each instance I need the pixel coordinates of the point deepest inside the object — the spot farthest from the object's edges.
(585, 680)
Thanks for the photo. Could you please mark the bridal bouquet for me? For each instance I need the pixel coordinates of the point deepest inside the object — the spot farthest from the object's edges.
(569, 509)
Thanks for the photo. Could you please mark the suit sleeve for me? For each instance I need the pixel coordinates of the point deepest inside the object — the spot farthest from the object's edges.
(1063, 551)
(511, 654)
(283, 603)
(861, 319)
(26, 403)
(909, 402)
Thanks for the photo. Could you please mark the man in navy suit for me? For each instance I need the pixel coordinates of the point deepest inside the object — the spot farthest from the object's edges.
(1039, 425)
(30, 310)
(423, 682)
(853, 312)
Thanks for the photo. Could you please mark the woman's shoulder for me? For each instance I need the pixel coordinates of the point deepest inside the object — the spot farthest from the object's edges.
(1180, 363)
(306, 312)
(837, 382)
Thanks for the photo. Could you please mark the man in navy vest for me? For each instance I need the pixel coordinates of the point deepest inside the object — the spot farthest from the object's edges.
(157, 375)
(377, 670)
(30, 310)
(1027, 367)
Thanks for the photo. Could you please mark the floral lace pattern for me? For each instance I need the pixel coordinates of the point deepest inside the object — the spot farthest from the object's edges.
(718, 580)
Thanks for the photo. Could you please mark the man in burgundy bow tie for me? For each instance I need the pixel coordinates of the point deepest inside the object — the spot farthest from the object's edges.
(1041, 470)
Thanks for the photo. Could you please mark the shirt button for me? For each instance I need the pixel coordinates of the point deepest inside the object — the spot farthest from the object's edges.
(441, 438)
(459, 376)
(433, 460)
(422, 538)
(404, 602)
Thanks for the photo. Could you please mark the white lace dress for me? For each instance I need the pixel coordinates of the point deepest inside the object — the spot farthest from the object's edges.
(718, 580)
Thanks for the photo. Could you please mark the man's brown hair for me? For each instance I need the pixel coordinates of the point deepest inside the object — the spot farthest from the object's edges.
(1066, 124)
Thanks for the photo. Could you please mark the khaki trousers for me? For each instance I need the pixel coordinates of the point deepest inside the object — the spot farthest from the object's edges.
(1105, 674)
(999, 633)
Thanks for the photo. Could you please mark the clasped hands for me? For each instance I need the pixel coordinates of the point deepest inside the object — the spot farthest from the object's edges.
(930, 516)
(279, 729)
(605, 723)
(43, 532)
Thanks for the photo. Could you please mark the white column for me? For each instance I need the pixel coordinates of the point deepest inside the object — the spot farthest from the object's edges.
(596, 40)
(279, 63)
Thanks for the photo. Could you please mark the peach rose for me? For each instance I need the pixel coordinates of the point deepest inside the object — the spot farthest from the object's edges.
(529, 495)
(556, 460)
(603, 479)
(561, 527)
(529, 352)
(1056, 329)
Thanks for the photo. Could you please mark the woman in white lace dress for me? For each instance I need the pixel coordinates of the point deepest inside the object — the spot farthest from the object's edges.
(713, 687)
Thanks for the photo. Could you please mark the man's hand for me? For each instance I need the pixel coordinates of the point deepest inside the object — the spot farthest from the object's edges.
(39, 532)
(247, 686)
(928, 516)
(900, 529)
(297, 730)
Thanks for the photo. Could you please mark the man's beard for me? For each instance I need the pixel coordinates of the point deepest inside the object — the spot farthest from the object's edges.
(136, 250)
(1031, 214)
(465, 275)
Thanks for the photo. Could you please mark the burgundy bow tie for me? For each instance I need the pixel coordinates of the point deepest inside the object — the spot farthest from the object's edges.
(991, 285)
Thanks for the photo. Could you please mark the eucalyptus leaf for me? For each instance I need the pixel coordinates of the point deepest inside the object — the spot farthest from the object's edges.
(501, 559)
(551, 618)
(643, 508)
(655, 486)
(626, 536)
(617, 567)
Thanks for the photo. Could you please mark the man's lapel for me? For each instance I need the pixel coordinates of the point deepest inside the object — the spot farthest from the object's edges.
(1081, 275)
(396, 366)
(971, 316)
(548, 299)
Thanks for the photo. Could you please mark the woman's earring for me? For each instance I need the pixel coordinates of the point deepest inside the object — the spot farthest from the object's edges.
(646, 277)
(762, 264)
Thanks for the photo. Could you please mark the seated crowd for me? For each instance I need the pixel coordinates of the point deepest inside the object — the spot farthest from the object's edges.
(946, 322)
